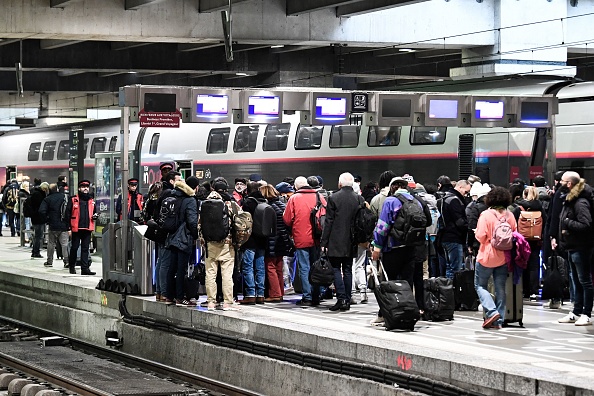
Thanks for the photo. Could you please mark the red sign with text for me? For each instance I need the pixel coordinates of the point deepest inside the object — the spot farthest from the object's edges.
(159, 120)
(534, 171)
(514, 173)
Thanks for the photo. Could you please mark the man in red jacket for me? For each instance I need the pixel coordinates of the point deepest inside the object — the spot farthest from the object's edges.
(82, 213)
(297, 216)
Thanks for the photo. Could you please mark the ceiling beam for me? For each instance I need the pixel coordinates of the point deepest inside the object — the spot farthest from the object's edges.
(248, 47)
(136, 4)
(124, 45)
(8, 41)
(296, 7)
(61, 3)
(437, 53)
(367, 6)
(197, 47)
(215, 5)
(291, 48)
(53, 44)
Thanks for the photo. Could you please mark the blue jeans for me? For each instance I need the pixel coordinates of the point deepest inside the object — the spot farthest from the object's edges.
(254, 272)
(305, 256)
(454, 257)
(579, 261)
(481, 280)
(37, 237)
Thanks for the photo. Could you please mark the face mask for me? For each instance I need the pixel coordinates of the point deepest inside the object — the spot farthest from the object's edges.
(564, 189)
(240, 188)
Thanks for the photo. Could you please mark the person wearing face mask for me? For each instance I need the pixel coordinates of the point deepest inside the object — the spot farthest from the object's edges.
(240, 191)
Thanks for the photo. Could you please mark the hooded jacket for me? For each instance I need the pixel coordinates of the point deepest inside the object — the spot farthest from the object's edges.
(188, 212)
(575, 221)
(51, 210)
(378, 201)
(454, 217)
(249, 205)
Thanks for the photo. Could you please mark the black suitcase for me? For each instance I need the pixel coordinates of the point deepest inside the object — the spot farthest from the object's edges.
(396, 303)
(439, 299)
(514, 303)
(465, 295)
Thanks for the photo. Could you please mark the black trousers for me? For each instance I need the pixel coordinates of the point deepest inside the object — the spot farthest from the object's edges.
(81, 238)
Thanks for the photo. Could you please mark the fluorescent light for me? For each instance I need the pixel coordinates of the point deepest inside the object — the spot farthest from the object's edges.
(242, 74)
(277, 46)
(406, 50)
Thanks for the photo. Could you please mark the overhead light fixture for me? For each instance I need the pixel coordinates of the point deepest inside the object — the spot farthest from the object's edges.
(406, 50)
(277, 46)
(132, 72)
(242, 74)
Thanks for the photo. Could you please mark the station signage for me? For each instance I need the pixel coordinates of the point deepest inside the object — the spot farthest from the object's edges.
(159, 119)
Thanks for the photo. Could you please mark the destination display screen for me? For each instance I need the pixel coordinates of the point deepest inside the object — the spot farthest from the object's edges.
(443, 108)
(160, 102)
(396, 108)
(489, 110)
(331, 107)
(264, 105)
(534, 112)
(212, 104)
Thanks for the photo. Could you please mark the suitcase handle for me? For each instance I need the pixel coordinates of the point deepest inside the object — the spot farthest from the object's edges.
(374, 272)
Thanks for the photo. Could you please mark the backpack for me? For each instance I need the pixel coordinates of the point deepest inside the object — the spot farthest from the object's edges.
(27, 208)
(363, 224)
(169, 213)
(410, 225)
(264, 220)
(12, 197)
(435, 215)
(502, 237)
(242, 227)
(317, 218)
(63, 209)
(214, 220)
(530, 225)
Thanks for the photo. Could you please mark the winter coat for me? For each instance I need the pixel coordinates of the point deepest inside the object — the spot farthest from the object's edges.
(188, 212)
(454, 217)
(51, 211)
(297, 216)
(378, 201)
(487, 255)
(37, 197)
(340, 213)
(473, 212)
(249, 205)
(280, 244)
(575, 221)
(79, 212)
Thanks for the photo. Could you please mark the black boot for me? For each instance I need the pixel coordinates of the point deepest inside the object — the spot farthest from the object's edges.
(340, 304)
(72, 270)
(346, 305)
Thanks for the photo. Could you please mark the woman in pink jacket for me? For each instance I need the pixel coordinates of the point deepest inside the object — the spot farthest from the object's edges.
(491, 261)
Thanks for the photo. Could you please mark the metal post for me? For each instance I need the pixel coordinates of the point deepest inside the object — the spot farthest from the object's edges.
(551, 161)
(125, 132)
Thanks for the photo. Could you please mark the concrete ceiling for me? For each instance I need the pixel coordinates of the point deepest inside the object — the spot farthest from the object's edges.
(62, 64)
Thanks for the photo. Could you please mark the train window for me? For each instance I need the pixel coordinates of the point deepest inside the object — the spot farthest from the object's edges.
(218, 138)
(245, 139)
(49, 148)
(64, 150)
(344, 136)
(34, 151)
(427, 135)
(154, 143)
(308, 138)
(276, 137)
(98, 146)
(85, 146)
(112, 143)
(383, 136)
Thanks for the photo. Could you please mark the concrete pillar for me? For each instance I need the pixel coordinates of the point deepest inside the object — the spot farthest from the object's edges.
(529, 37)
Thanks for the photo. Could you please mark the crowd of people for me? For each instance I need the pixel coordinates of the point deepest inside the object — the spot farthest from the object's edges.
(248, 236)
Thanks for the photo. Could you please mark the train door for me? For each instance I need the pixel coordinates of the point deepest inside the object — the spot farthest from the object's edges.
(10, 173)
(185, 168)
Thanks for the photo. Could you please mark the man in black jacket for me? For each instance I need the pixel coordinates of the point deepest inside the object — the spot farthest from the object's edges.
(337, 238)
(575, 237)
(52, 209)
(37, 196)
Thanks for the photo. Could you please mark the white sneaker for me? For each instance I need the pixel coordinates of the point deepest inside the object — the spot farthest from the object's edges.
(377, 321)
(552, 305)
(569, 318)
(363, 297)
(584, 320)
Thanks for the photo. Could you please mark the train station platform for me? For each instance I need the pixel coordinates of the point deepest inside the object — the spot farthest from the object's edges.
(542, 358)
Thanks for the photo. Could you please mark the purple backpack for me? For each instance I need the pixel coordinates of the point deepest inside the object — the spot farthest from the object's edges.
(502, 238)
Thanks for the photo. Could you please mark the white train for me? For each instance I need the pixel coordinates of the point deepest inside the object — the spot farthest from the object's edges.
(290, 149)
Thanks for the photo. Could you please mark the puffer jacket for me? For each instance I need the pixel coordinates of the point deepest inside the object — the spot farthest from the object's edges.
(297, 216)
(188, 212)
(51, 211)
(575, 221)
(454, 216)
(37, 197)
(280, 244)
(249, 205)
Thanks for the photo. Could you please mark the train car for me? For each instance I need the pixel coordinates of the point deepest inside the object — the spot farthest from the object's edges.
(276, 151)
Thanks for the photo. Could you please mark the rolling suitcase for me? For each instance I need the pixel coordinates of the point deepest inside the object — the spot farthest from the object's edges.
(396, 303)
(439, 299)
(514, 303)
(465, 295)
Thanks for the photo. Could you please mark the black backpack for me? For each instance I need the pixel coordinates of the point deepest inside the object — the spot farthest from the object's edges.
(264, 220)
(214, 220)
(27, 207)
(169, 213)
(411, 223)
(363, 224)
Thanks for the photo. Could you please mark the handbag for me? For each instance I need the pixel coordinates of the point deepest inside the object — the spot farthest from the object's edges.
(154, 233)
(321, 272)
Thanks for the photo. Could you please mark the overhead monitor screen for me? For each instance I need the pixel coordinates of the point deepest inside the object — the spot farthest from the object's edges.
(211, 104)
(396, 107)
(160, 102)
(331, 108)
(264, 105)
(534, 112)
(443, 108)
(489, 110)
